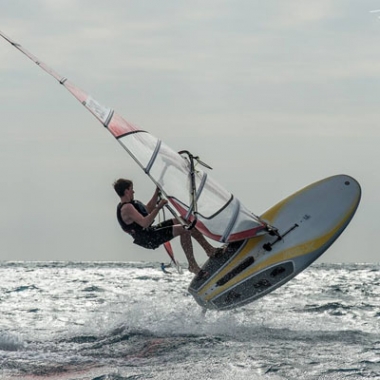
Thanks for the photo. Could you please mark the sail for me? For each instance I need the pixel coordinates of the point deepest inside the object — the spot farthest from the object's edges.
(219, 215)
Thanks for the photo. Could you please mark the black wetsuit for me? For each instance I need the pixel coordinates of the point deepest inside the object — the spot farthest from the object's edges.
(151, 237)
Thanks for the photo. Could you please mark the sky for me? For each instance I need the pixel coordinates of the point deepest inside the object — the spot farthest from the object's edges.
(273, 95)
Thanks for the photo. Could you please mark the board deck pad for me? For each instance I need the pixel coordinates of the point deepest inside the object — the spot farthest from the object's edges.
(214, 264)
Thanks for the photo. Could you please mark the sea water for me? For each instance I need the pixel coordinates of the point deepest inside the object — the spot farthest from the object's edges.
(100, 321)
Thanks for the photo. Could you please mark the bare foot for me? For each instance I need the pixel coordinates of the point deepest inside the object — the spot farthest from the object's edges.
(216, 252)
(202, 274)
(194, 269)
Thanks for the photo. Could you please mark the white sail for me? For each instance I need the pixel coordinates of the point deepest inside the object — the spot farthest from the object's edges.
(218, 214)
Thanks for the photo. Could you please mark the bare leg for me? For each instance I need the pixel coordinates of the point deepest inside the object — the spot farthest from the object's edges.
(208, 248)
(187, 247)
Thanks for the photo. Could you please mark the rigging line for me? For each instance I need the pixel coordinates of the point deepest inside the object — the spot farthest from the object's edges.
(171, 209)
(177, 217)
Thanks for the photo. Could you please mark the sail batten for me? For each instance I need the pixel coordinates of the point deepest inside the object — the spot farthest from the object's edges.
(219, 215)
(154, 155)
(232, 221)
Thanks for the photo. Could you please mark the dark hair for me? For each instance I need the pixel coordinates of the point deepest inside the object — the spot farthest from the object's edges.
(121, 185)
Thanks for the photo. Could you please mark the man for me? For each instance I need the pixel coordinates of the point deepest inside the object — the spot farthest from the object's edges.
(136, 219)
(163, 268)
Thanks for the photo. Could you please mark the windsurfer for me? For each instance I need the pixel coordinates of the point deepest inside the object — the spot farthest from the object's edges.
(137, 219)
(163, 268)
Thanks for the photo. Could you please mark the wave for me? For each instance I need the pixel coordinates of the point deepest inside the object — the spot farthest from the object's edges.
(10, 342)
(116, 321)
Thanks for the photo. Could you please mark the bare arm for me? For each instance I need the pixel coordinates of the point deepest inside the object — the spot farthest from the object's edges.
(129, 214)
(153, 202)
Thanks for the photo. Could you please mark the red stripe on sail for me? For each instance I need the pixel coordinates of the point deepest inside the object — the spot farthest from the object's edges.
(119, 126)
(76, 91)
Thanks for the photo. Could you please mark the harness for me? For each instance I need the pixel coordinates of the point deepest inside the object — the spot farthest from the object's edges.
(150, 237)
(132, 228)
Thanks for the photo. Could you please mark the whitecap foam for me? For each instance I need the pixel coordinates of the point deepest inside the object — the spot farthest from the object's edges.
(10, 342)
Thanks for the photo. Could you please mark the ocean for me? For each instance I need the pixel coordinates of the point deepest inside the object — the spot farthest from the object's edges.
(129, 320)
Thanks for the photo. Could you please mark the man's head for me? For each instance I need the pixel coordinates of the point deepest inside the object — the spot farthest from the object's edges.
(121, 185)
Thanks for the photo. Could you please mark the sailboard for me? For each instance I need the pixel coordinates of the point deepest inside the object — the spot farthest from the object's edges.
(308, 223)
(279, 243)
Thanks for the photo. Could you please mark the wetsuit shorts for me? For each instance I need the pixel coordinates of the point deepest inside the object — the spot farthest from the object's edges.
(153, 237)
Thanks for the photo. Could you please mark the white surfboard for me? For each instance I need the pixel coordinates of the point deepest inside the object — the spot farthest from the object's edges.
(308, 222)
